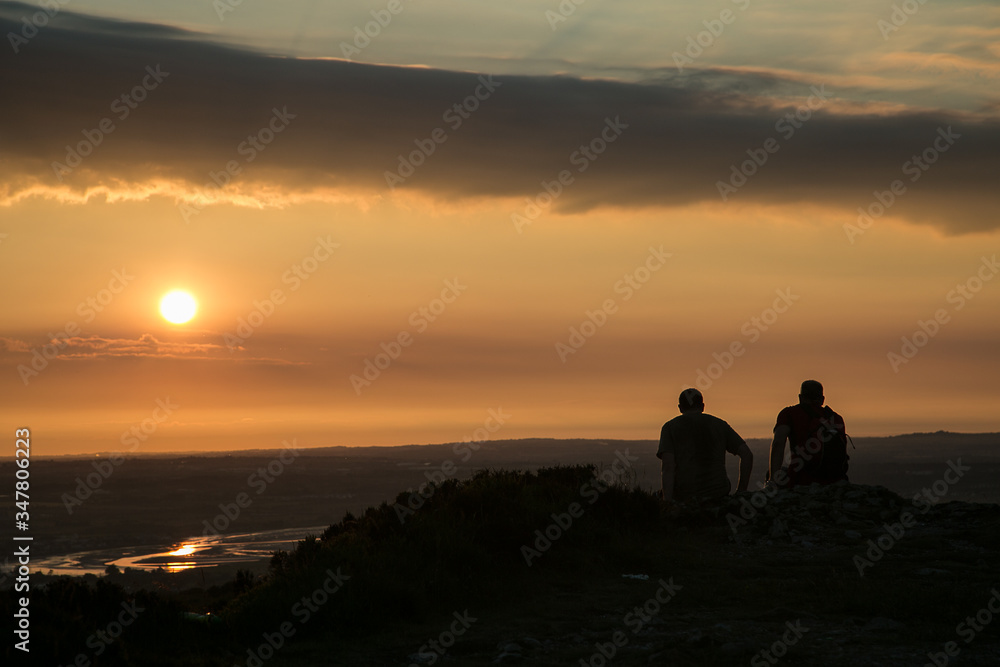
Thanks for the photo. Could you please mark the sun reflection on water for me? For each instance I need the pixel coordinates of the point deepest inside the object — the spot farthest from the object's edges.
(184, 550)
(178, 567)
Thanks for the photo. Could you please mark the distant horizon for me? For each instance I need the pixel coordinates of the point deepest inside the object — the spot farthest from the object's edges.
(307, 447)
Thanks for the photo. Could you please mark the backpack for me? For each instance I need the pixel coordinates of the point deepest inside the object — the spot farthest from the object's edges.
(823, 456)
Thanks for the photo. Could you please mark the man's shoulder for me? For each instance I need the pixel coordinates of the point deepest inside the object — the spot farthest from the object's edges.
(837, 417)
(715, 420)
(793, 414)
(726, 433)
(679, 419)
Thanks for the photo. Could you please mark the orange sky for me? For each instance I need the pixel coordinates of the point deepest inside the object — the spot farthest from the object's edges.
(328, 266)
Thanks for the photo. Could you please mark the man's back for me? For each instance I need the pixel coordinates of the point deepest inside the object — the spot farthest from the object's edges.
(699, 443)
(815, 433)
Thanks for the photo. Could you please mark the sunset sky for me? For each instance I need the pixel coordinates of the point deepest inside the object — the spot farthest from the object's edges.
(559, 217)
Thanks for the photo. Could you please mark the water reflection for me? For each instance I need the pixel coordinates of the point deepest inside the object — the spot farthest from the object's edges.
(190, 553)
(184, 550)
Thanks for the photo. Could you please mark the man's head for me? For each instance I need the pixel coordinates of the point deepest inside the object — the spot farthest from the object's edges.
(811, 393)
(691, 400)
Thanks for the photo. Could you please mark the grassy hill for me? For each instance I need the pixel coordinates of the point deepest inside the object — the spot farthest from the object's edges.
(570, 566)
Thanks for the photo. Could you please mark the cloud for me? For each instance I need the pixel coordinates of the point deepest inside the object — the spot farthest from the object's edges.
(96, 347)
(944, 62)
(13, 345)
(146, 346)
(345, 125)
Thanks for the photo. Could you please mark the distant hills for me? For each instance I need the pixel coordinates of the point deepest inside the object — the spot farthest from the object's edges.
(527, 445)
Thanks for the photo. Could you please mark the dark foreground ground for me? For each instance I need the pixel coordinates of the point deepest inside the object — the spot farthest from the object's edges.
(843, 575)
(797, 583)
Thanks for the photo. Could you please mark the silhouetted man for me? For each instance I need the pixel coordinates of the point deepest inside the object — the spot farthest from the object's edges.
(818, 441)
(693, 450)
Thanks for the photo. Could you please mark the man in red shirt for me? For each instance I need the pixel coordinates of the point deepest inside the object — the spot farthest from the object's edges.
(818, 441)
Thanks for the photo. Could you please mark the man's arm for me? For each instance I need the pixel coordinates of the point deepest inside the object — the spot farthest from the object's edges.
(667, 475)
(746, 466)
(778, 450)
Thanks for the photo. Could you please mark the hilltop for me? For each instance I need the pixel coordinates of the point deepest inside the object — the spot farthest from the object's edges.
(98, 509)
(572, 564)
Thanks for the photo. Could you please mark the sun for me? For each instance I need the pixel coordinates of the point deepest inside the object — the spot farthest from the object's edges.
(178, 307)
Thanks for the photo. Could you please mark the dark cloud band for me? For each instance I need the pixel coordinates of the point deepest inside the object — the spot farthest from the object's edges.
(214, 117)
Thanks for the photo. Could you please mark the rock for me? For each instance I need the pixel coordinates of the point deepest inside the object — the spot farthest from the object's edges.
(838, 517)
(509, 652)
(737, 648)
(852, 534)
(695, 637)
(882, 624)
(730, 648)
(508, 657)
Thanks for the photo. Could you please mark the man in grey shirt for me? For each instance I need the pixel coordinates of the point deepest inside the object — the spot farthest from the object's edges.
(693, 450)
